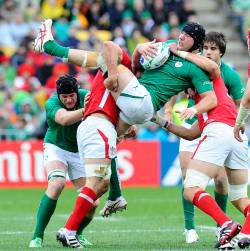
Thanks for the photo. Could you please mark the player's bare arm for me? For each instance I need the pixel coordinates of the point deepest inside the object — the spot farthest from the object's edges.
(204, 63)
(65, 118)
(208, 101)
(244, 110)
(183, 132)
(112, 54)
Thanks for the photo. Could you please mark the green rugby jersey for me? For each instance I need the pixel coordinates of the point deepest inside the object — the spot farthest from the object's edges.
(233, 83)
(174, 76)
(61, 136)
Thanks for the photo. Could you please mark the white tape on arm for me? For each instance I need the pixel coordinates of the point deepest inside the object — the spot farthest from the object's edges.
(242, 115)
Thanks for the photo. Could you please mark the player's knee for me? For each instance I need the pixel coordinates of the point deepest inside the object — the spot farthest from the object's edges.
(56, 183)
(221, 184)
(98, 170)
(196, 178)
(237, 192)
(55, 187)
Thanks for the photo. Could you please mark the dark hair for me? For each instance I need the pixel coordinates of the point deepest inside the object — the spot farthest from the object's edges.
(66, 84)
(217, 38)
(197, 32)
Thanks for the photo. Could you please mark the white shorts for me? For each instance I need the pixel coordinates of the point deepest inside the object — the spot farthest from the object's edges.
(135, 103)
(218, 146)
(71, 160)
(188, 145)
(96, 139)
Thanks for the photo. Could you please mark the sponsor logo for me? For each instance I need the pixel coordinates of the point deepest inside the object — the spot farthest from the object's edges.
(178, 64)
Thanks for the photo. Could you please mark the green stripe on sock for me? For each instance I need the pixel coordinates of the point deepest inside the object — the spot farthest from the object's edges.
(54, 49)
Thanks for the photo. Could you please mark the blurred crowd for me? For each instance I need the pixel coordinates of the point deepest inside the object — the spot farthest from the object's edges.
(28, 79)
(237, 11)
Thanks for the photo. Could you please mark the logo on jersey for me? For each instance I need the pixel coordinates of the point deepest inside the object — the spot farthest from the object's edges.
(178, 64)
(207, 83)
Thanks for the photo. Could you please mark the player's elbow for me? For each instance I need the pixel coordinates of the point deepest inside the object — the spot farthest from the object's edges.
(111, 46)
(214, 70)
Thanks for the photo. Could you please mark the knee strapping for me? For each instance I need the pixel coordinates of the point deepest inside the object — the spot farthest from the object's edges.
(195, 178)
(98, 170)
(56, 174)
(237, 192)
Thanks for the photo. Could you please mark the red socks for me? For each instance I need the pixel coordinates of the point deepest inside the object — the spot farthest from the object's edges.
(206, 203)
(84, 203)
(246, 226)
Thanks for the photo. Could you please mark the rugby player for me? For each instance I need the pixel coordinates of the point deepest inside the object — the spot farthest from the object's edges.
(214, 48)
(217, 148)
(64, 111)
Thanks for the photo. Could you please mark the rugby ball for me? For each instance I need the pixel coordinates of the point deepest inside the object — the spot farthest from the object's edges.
(161, 57)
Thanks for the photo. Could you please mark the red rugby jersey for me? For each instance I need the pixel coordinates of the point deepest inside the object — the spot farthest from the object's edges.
(101, 100)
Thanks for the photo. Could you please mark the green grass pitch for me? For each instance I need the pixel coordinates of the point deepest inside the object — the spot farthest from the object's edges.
(153, 221)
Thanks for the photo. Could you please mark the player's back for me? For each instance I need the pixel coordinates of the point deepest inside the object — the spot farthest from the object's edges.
(101, 100)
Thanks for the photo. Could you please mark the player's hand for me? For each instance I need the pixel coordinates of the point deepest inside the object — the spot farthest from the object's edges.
(148, 49)
(173, 48)
(129, 134)
(86, 99)
(238, 130)
(188, 113)
(111, 82)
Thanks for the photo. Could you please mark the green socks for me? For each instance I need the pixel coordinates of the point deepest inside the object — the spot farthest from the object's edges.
(45, 211)
(115, 188)
(84, 224)
(221, 200)
(188, 209)
(54, 49)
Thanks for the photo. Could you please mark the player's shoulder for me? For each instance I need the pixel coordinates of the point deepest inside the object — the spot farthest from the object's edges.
(227, 68)
(52, 101)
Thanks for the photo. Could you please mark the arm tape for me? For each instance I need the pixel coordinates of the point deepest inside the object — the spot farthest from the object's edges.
(242, 115)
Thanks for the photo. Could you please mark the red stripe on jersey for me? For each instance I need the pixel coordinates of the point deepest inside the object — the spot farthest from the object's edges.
(249, 70)
(202, 140)
(106, 142)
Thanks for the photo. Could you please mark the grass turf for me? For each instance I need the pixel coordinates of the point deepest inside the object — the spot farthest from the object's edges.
(153, 221)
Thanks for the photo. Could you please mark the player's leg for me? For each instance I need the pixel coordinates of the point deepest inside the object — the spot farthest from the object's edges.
(115, 202)
(77, 175)
(56, 168)
(133, 100)
(197, 177)
(188, 207)
(238, 180)
(221, 192)
(45, 42)
(96, 138)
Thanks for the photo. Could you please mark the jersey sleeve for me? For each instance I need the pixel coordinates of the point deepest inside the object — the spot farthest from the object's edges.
(200, 79)
(51, 107)
(234, 84)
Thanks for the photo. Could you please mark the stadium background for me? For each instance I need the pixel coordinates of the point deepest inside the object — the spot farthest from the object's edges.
(27, 79)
